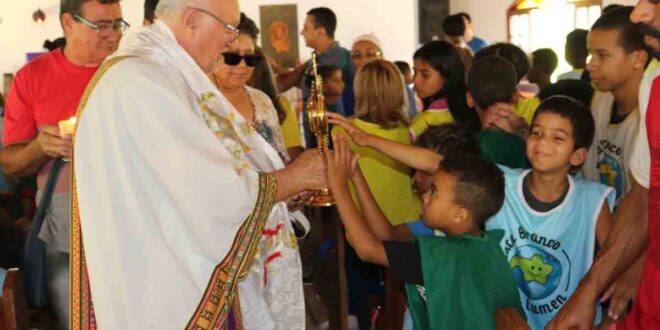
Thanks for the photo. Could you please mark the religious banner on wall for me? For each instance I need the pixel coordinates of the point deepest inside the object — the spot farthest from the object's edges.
(279, 33)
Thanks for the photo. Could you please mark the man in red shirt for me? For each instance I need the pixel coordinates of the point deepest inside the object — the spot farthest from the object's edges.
(44, 92)
(627, 240)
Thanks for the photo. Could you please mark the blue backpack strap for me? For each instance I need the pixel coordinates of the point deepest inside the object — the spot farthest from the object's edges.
(34, 253)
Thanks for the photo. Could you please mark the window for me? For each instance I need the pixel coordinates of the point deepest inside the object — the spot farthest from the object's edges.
(535, 24)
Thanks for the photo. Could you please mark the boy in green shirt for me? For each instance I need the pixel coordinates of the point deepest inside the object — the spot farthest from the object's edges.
(453, 282)
(492, 80)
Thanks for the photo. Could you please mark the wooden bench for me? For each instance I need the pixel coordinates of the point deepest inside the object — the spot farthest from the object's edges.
(15, 311)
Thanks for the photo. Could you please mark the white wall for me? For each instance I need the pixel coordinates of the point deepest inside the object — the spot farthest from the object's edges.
(490, 18)
(19, 34)
(395, 24)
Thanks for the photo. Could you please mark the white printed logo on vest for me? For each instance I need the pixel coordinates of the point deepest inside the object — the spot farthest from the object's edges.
(609, 166)
(537, 267)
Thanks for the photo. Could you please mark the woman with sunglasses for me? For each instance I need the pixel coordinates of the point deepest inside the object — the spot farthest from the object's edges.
(232, 77)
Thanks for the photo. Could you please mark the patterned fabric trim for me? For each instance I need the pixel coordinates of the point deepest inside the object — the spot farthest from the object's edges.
(236, 309)
(220, 294)
(224, 129)
(81, 307)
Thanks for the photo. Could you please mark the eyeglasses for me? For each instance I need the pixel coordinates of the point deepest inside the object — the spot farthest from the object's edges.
(233, 30)
(234, 59)
(367, 54)
(105, 29)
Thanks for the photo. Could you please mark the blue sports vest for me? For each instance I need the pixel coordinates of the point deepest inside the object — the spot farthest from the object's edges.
(549, 252)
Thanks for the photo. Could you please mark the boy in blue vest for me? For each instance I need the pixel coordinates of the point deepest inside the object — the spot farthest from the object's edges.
(552, 221)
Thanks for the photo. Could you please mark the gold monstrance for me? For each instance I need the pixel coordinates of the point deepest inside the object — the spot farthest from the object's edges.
(318, 125)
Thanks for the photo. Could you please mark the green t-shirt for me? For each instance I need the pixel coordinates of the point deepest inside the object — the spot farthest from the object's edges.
(466, 279)
(390, 181)
(428, 118)
(503, 148)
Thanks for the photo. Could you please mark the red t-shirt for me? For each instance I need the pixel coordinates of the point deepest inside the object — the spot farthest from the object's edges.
(653, 131)
(645, 313)
(44, 92)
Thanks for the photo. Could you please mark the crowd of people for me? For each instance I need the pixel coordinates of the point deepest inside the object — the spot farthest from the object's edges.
(492, 192)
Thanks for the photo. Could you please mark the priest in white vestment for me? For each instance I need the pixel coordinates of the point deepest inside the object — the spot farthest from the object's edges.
(179, 214)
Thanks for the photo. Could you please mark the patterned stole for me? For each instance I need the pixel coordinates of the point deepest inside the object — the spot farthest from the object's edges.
(219, 306)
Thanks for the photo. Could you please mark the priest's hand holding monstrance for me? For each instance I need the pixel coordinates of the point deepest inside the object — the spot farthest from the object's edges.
(318, 125)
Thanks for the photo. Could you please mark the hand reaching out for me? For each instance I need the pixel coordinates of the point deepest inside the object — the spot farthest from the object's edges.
(342, 163)
(623, 290)
(358, 136)
(501, 116)
(577, 314)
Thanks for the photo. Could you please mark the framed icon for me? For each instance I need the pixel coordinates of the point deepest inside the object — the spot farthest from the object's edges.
(279, 33)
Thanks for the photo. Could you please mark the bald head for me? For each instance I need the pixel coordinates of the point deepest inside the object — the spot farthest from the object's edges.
(204, 28)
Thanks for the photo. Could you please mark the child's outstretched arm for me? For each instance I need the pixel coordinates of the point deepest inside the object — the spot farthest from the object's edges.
(377, 221)
(418, 158)
(341, 164)
(373, 214)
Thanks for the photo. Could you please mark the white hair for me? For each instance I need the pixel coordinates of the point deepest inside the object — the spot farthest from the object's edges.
(168, 7)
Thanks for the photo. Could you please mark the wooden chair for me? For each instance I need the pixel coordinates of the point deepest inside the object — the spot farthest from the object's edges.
(14, 313)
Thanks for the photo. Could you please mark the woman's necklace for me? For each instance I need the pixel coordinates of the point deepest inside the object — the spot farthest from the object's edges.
(252, 123)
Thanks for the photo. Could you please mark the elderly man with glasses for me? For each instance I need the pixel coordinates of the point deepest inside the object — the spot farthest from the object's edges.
(45, 92)
(179, 209)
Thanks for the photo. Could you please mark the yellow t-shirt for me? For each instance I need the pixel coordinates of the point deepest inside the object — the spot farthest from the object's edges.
(427, 118)
(290, 128)
(390, 181)
(526, 108)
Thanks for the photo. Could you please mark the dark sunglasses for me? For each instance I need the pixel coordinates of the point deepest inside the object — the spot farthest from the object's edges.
(234, 59)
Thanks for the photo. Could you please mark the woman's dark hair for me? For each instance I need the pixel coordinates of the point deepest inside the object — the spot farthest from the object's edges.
(444, 58)
(248, 27)
(263, 80)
